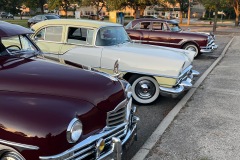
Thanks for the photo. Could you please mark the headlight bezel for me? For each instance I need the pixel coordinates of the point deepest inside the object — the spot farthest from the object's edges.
(74, 130)
(11, 154)
(127, 88)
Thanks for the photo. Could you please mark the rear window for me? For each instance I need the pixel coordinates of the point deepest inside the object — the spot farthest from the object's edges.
(52, 17)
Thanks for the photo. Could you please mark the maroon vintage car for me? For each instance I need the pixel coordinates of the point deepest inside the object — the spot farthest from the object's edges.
(53, 111)
(168, 33)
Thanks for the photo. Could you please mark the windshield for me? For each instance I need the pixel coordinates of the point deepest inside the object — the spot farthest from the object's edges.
(108, 36)
(174, 27)
(16, 45)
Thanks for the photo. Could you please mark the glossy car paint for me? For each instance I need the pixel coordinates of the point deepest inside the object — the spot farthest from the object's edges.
(166, 37)
(11, 30)
(165, 62)
(39, 98)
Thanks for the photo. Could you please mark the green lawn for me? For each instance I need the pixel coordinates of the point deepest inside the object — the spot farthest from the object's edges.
(20, 22)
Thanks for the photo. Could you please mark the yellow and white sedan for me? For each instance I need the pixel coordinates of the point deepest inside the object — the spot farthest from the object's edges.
(151, 70)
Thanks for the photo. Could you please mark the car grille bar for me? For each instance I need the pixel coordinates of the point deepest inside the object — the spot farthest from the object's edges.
(118, 115)
(89, 150)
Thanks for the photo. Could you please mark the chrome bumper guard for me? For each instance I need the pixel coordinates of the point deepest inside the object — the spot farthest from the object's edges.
(114, 142)
(209, 48)
(185, 84)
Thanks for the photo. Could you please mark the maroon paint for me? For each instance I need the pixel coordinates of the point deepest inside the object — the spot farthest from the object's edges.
(39, 98)
(166, 38)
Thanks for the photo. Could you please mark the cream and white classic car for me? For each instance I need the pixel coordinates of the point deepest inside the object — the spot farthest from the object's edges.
(151, 70)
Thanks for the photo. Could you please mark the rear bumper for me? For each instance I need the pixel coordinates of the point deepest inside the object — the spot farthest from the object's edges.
(184, 85)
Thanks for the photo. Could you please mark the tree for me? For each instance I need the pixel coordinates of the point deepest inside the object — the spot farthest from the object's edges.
(235, 4)
(183, 5)
(99, 4)
(217, 5)
(34, 4)
(137, 5)
(7, 5)
(63, 4)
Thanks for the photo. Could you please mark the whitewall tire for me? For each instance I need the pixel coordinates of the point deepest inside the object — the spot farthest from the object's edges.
(145, 89)
(191, 47)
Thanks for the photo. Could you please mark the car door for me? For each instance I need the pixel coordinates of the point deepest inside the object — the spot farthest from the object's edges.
(140, 32)
(50, 39)
(79, 47)
(160, 34)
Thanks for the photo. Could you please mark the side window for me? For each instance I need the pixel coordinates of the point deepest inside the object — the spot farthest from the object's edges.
(164, 27)
(157, 26)
(80, 35)
(38, 18)
(53, 34)
(145, 25)
(40, 35)
(137, 26)
(142, 25)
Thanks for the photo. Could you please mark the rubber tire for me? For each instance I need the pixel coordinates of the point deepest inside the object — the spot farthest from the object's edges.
(133, 80)
(191, 45)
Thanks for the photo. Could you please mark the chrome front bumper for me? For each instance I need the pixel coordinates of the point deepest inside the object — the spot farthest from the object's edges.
(116, 138)
(185, 84)
(209, 48)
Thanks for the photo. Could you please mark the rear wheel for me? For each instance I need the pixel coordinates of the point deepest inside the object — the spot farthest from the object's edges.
(191, 47)
(145, 89)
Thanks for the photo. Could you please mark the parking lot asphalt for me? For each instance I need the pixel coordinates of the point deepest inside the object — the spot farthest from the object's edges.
(182, 138)
(207, 127)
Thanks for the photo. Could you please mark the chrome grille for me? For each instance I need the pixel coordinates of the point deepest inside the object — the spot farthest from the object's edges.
(118, 115)
(89, 150)
(117, 126)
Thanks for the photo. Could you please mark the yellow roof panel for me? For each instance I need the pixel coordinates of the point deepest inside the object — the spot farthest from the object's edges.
(82, 22)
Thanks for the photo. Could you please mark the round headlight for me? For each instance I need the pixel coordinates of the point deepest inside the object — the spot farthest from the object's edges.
(11, 156)
(74, 130)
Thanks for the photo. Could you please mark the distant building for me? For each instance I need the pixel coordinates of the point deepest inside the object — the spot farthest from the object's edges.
(90, 10)
(197, 11)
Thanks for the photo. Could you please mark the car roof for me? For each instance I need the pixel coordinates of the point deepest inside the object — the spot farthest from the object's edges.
(85, 23)
(154, 20)
(8, 29)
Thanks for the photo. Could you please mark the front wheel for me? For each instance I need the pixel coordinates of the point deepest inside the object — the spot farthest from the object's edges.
(145, 89)
(191, 47)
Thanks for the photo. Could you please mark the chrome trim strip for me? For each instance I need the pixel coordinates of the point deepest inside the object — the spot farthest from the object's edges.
(157, 42)
(20, 145)
(185, 71)
(136, 72)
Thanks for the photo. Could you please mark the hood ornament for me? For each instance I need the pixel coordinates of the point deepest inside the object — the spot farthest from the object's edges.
(116, 73)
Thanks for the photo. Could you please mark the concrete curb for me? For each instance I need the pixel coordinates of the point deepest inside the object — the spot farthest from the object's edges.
(152, 140)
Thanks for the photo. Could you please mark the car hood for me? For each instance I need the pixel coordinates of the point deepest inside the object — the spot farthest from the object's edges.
(150, 59)
(39, 76)
(200, 34)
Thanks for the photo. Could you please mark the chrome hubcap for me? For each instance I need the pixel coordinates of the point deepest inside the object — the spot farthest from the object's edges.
(145, 89)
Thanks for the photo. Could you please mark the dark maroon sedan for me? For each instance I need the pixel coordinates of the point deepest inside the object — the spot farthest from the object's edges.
(53, 111)
(168, 33)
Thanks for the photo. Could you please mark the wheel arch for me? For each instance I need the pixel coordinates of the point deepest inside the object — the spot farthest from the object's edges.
(190, 42)
(128, 75)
